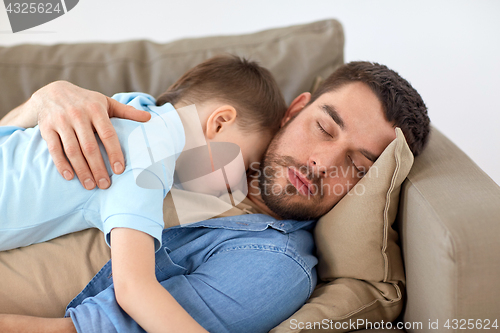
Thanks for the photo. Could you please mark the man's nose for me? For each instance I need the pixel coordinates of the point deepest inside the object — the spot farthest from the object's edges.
(321, 163)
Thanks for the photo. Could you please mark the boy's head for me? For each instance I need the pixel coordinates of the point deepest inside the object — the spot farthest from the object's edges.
(238, 101)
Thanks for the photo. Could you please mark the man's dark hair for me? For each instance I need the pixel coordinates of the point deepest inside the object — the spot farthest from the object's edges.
(250, 88)
(402, 104)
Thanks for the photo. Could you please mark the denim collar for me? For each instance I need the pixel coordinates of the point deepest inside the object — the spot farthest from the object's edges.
(250, 222)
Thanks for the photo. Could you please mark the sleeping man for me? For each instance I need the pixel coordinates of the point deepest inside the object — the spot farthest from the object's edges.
(242, 273)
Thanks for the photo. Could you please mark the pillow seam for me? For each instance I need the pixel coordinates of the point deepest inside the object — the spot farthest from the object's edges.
(365, 306)
(386, 209)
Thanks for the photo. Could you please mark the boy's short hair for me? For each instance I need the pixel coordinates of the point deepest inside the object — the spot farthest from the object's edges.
(248, 87)
(402, 104)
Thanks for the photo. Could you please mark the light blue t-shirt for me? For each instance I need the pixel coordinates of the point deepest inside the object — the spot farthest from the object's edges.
(37, 204)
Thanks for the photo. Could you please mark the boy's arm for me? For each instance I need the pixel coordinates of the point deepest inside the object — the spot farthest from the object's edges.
(137, 290)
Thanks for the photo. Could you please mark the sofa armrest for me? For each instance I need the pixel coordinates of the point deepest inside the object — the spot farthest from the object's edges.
(449, 226)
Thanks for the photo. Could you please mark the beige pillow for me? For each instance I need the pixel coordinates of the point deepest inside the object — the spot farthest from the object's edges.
(360, 262)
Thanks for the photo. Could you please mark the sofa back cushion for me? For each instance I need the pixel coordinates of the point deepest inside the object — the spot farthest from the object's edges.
(294, 55)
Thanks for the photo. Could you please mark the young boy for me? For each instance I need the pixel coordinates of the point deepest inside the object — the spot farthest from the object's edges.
(237, 102)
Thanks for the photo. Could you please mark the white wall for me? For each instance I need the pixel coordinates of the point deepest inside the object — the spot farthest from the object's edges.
(449, 50)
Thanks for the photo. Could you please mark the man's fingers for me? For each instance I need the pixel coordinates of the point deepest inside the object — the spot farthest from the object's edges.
(109, 138)
(117, 109)
(57, 153)
(92, 155)
(74, 154)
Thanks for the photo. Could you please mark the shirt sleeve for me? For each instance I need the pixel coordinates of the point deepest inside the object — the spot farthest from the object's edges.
(127, 205)
(135, 198)
(240, 290)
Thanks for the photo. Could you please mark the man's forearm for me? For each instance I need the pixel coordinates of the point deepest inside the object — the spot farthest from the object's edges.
(27, 324)
(19, 117)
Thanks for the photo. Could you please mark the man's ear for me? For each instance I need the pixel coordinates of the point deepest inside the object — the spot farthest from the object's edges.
(296, 106)
(219, 120)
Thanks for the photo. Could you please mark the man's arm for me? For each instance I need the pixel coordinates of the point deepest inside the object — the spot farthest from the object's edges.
(18, 117)
(27, 324)
(68, 116)
(137, 290)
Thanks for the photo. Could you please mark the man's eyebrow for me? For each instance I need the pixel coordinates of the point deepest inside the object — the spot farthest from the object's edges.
(330, 110)
(368, 155)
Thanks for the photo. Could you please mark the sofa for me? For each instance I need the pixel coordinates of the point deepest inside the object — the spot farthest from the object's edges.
(448, 217)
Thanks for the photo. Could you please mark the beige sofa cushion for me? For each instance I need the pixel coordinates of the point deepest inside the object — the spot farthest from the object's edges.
(359, 258)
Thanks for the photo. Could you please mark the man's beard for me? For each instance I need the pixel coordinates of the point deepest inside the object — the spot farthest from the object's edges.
(282, 200)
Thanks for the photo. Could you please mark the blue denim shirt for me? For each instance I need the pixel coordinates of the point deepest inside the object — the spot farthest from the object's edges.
(243, 273)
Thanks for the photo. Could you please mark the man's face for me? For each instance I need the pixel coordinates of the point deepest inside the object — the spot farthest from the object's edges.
(322, 151)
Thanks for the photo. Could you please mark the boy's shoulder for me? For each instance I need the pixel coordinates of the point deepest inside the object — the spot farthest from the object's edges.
(145, 143)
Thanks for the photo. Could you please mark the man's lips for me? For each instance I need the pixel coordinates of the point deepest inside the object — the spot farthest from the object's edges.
(301, 183)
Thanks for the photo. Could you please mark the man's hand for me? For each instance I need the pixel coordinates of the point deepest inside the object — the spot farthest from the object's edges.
(68, 116)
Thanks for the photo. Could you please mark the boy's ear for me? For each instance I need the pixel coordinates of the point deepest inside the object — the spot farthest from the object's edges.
(296, 106)
(219, 120)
